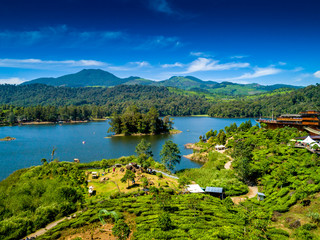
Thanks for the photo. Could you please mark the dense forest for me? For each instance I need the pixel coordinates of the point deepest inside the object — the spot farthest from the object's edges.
(10, 115)
(101, 102)
(114, 99)
(292, 102)
(132, 121)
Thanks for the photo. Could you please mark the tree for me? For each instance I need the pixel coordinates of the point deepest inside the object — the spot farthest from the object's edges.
(170, 154)
(129, 175)
(144, 147)
(121, 230)
(43, 160)
(104, 164)
(164, 221)
(183, 182)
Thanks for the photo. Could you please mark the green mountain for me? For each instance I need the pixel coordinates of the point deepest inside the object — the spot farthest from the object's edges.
(98, 77)
(84, 78)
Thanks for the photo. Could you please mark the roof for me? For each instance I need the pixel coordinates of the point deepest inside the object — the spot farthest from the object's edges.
(308, 140)
(291, 115)
(261, 194)
(220, 146)
(194, 188)
(214, 189)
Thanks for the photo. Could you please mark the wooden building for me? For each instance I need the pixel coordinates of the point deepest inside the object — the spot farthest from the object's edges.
(305, 121)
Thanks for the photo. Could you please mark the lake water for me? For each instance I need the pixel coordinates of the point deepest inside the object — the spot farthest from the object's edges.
(34, 142)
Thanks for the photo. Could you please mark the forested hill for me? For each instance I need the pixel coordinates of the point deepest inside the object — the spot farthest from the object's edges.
(84, 78)
(114, 99)
(292, 102)
(98, 77)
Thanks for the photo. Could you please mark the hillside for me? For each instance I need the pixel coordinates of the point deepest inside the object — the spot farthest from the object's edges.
(84, 78)
(112, 99)
(264, 105)
(98, 77)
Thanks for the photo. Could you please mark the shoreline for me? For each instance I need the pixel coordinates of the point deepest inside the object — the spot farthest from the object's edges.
(173, 131)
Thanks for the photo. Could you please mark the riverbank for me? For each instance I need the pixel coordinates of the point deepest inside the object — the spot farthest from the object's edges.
(173, 131)
(49, 123)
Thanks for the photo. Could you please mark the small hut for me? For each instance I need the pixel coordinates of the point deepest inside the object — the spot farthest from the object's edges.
(194, 188)
(215, 191)
(261, 196)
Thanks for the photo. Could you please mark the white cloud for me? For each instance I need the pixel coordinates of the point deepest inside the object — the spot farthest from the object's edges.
(131, 66)
(197, 54)
(258, 72)
(141, 64)
(14, 80)
(238, 56)
(39, 64)
(317, 74)
(177, 64)
(207, 64)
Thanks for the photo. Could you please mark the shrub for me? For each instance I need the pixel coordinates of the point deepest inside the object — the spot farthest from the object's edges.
(164, 222)
(121, 230)
(159, 174)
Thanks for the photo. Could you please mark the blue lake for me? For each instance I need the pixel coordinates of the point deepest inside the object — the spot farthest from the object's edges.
(34, 142)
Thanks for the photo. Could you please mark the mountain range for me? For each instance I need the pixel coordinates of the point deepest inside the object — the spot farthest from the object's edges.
(101, 78)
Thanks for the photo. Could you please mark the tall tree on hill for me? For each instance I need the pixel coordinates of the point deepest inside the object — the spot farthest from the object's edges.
(144, 147)
(170, 154)
(153, 116)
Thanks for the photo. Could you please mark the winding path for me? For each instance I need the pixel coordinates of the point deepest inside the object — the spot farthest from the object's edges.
(48, 227)
(166, 174)
(253, 191)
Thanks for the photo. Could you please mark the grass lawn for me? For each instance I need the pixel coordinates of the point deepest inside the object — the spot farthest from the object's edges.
(110, 186)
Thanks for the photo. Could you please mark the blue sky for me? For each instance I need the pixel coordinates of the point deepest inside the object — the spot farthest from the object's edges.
(243, 41)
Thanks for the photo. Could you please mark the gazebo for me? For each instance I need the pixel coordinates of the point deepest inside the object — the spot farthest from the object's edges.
(308, 140)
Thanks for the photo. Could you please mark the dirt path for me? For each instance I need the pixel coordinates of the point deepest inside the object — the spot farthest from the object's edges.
(253, 191)
(228, 165)
(48, 227)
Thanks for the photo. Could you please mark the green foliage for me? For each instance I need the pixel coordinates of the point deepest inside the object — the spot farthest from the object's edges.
(213, 174)
(133, 122)
(159, 174)
(264, 105)
(38, 102)
(144, 147)
(32, 198)
(170, 154)
(315, 216)
(129, 175)
(121, 230)
(183, 181)
(164, 221)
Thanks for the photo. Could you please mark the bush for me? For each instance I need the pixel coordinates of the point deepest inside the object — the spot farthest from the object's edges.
(159, 174)
(121, 230)
(164, 222)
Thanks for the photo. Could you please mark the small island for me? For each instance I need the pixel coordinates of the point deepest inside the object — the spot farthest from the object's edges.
(7, 139)
(133, 122)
